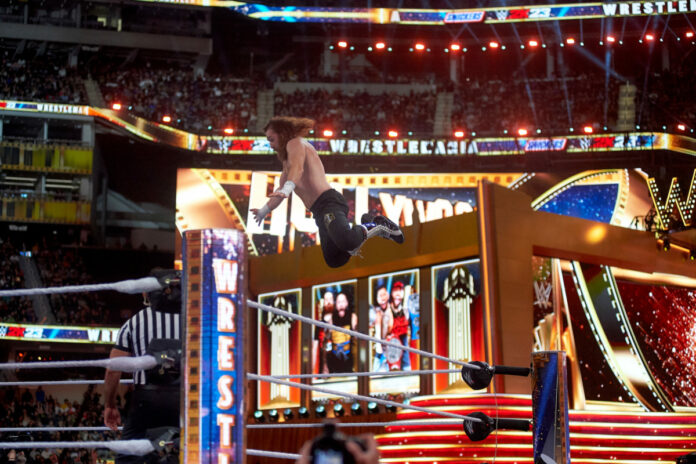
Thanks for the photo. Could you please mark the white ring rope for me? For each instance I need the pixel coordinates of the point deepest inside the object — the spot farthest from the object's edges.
(353, 396)
(121, 363)
(58, 382)
(312, 425)
(143, 285)
(359, 335)
(139, 447)
(56, 429)
(271, 454)
(365, 374)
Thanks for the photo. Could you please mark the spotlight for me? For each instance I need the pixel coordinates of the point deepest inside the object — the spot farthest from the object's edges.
(393, 134)
(228, 131)
(166, 118)
(611, 39)
(380, 45)
(649, 37)
(320, 411)
(273, 415)
(372, 407)
(570, 41)
(493, 44)
(328, 133)
(533, 43)
(303, 412)
(259, 417)
(455, 47)
(681, 127)
(342, 44)
(689, 34)
(522, 131)
(459, 134)
(288, 414)
(338, 410)
(355, 409)
(116, 106)
(587, 129)
(419, 46)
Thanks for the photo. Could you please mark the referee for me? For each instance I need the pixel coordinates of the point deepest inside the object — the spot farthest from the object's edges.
(155, 402)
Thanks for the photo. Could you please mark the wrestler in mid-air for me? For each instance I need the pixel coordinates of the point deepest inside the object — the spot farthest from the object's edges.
(303, 172)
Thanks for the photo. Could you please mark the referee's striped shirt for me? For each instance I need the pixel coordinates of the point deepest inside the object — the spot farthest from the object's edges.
(138, 331)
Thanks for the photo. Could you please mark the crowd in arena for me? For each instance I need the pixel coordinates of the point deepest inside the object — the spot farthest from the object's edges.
(42, 79)
(194, 102)
(11, 276)
(668, 97)
(60, 267)
(552, 105)
(25, 408)
(361, 113)
(201, 103)
(57, 267)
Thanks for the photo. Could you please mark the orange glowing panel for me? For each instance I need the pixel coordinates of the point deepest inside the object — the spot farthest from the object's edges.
(611, 39)
(393, 134)
(328, 133)
(681, 127)
(570, 41)
(419, 46)
(533, 43)
(587, 129)
(649, 37)
(116, 106)
(380, 45)
(229, 131)
(494, 44)
(459, 134)
(455, 47)
(342, 44)
(522, 132)
(166, 118)
(689, 34)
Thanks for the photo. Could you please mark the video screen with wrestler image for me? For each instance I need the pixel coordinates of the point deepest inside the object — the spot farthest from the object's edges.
(394, 317)
(279, 348)
(334, 352)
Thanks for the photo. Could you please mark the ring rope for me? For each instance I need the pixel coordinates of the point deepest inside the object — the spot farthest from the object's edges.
(359, 335)
(139, 447)
(353, 396)
(312, 425)
(56, 429)
(145, 284)
(58, 382)
(271, 454)
(121, 363)
(366, 374)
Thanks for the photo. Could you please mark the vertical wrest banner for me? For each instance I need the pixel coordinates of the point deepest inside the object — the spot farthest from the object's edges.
(215, 366)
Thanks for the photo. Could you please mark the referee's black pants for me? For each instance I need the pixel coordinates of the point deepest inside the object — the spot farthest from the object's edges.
(150, 407)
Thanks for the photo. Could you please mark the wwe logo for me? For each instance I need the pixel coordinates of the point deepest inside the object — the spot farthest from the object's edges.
(502, 15)
(585, 143)
(542, 292)
(3, 331)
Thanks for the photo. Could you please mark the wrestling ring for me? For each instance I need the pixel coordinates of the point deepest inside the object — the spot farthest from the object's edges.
(214, 306)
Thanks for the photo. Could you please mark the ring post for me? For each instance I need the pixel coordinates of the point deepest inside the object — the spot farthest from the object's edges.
(550, 408)
(214, 300)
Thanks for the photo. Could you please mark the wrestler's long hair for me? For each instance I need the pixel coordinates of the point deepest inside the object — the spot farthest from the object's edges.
(288, 128)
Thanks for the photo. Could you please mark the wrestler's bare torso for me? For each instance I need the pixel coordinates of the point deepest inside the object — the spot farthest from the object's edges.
(312, 182)
(303, 167)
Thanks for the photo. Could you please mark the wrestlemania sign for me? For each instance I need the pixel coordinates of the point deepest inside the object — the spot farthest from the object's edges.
(215, 357)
